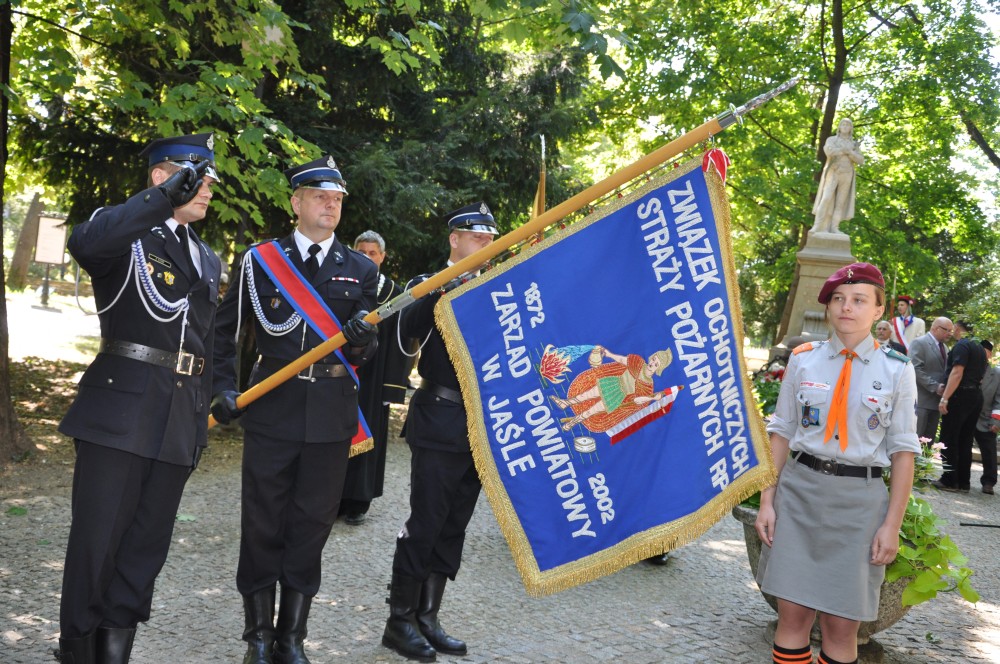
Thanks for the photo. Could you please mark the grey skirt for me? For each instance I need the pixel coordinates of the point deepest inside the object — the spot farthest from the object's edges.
(823, 532)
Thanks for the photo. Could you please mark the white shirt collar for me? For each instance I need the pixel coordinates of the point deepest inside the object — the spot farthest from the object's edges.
(302, 243)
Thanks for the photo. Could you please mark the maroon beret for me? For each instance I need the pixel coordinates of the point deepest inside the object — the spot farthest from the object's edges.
(855, 273)
(906, 298)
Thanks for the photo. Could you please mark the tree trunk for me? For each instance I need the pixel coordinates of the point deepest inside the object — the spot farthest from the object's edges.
(17, 278)
(13, 442)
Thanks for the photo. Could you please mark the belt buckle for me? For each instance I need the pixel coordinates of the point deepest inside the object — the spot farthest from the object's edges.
(828, 466)
(185, 363)
(302, 375)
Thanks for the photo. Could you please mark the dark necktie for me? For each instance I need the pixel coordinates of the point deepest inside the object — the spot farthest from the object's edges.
(182, 235)
(944, 355)
(312, 264)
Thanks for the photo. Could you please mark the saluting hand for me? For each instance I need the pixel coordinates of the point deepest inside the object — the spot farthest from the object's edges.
(183, 185)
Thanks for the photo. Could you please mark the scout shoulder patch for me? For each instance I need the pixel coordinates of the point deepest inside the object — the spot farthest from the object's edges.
(896, 355)
(809, 345)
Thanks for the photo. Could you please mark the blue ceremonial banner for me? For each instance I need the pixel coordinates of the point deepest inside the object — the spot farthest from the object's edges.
(610, 412)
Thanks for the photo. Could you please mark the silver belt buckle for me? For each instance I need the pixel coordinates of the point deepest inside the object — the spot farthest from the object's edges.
(828, 467)
(185, 363)
(302, 375)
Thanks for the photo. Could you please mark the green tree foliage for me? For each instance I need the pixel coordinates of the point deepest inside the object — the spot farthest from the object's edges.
(93, 82)
(918, 84)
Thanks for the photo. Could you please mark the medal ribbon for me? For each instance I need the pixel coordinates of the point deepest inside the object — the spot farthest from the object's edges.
(307, 302)
(837, 420)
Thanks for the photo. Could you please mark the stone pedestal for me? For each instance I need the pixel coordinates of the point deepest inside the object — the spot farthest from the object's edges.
(823, 255)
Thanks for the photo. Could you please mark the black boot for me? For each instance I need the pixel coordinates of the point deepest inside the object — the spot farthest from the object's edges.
(402, 633)
(76, 651)
(431, 593)
(293, 613)
(258, 631)
(114, 644)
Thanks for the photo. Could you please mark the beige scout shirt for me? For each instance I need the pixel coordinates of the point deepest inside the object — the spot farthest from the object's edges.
(880, 414)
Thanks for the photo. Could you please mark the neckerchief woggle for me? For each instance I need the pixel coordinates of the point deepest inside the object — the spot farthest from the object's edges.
(308, 304)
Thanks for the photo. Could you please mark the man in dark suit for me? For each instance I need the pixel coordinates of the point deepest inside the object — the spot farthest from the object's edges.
(297, 437)
(383, 381)
(444, 486)
(930, 357)
(140, 419)
(989, 422)
(960, 403)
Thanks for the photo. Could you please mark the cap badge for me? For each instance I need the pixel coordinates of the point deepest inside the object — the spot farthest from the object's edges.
(331, 163)
(483, 209)
(850, 273)
(210, 143)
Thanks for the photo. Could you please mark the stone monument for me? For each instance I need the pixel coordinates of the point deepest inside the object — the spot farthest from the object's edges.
(826, 248)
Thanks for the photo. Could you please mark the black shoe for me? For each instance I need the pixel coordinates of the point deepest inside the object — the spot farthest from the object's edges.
(355, 519)
(402, 633)
(77, 651)
(114, 644)
(988, 488)
(293, 616)
(659, 560)
(938, 484)
(431, 594)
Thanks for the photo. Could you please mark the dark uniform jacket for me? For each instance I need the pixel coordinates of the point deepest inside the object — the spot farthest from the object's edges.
(125, 403)
(432, 421)
(324, 410)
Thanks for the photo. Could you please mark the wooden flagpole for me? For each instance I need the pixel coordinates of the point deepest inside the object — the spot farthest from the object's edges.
(536, 225)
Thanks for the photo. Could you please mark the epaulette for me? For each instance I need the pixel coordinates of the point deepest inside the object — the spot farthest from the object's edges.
(257, 244)
(895, 354)
(807, 346)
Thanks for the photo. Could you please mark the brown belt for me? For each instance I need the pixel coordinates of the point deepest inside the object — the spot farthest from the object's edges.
(312, 372)
(183, 363)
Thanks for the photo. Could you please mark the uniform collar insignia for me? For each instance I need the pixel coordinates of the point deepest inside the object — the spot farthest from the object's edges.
(338, 256)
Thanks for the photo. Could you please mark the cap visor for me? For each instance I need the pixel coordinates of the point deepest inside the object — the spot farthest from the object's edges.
(479, 228)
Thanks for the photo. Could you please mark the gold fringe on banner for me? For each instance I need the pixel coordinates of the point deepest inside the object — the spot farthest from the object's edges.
(648, 543)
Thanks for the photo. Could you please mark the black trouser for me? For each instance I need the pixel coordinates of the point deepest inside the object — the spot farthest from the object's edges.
(958, 428)
(291, 492)
(987, 441)
(444, 488)
(124, 507)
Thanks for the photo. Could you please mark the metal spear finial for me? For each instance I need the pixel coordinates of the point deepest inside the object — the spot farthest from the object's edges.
(736, 114)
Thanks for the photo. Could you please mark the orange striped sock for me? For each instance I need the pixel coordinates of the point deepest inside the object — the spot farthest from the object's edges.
(781, 655)
(826, 659)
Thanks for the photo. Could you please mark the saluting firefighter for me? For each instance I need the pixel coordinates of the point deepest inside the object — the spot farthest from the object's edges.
(140, 419)
(297, 437)
(444, 485)
(844, 416)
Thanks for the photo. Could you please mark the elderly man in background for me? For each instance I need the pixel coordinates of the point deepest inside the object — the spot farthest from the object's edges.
(930, 358)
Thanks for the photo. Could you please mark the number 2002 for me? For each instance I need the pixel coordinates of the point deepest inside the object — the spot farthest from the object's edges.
(603, 495)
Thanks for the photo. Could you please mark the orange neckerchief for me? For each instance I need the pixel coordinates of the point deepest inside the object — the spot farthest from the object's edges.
(837, 418)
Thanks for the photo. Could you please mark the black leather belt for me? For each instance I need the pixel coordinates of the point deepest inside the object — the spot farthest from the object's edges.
(182, 363)
(831, 467)
(441, 391)
(312, 372)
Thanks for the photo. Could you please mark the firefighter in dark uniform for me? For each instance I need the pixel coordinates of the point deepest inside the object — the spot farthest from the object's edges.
(444, 484)
(140, 419)
(297, 437)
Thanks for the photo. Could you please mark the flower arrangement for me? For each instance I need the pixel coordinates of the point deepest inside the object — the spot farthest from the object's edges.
(927, 556)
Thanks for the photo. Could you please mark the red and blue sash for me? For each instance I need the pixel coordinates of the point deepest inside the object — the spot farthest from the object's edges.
(308, 304)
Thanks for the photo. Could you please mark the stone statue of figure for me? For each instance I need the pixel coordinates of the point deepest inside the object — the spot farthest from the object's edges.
(835, 198)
